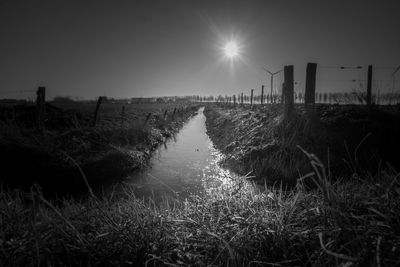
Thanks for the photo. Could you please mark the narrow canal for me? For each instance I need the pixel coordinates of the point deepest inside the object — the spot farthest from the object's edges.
(186, 165)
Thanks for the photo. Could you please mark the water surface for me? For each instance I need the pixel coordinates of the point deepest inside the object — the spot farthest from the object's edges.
(186, 165)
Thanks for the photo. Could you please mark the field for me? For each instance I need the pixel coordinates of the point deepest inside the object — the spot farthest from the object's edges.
(326, 201)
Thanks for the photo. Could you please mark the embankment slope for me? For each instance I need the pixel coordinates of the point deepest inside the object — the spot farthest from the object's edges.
(347, 140)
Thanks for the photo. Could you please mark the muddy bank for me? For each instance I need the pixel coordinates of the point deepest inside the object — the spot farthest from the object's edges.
(105, 153)
(349, 140)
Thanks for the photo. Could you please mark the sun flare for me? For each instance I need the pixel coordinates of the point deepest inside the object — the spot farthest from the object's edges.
(231, 50)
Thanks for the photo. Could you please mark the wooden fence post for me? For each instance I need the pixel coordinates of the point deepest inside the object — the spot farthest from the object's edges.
(251, 98)
(309, 95)
(288, 92)
(369, 86)
(241, 99)
(234, 100)
(99, 100)
(41, 107)
(262, 94)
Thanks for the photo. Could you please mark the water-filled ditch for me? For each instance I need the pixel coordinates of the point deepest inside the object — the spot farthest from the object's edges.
(186, 165)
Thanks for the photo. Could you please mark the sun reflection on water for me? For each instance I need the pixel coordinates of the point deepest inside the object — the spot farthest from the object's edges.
(188, 166)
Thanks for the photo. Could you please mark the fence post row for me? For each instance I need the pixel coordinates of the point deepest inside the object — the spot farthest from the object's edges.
(309, 95)
(288, 92)
(41, 107)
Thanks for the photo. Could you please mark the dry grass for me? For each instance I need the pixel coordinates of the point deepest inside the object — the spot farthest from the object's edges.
(116, 146)
(346, 223)
(347, 139)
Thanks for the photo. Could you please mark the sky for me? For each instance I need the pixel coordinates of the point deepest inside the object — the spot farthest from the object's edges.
(122, 49)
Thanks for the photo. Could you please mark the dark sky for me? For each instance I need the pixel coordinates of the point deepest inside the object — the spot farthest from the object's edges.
(148, 48)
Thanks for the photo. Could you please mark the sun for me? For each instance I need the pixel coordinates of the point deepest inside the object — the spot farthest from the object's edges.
(231, 50)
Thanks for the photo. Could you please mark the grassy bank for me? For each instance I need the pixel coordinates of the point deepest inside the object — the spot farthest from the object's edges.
(347, 223)
(121, 142)
(348, 139)
(342, 220)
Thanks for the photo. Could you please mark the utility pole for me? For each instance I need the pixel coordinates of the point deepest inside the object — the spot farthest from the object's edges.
(272, 78)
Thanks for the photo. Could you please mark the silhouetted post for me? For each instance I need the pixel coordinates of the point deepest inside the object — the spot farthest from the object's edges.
(41, 107)
(99, 100)
(309, 95)
(288, 92)
(262, 94)
(234, 100)
(241, 99)
(369, 86)
(251, 98)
